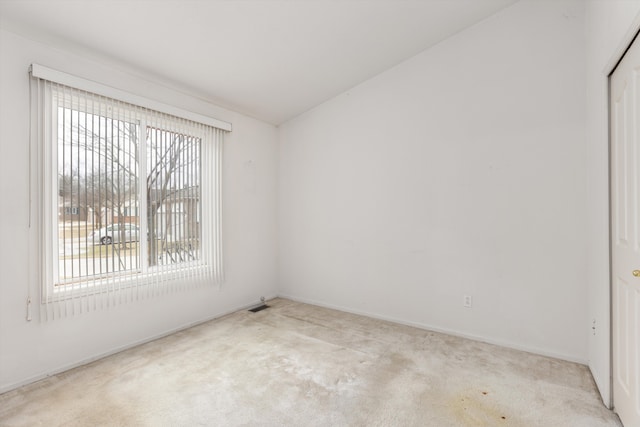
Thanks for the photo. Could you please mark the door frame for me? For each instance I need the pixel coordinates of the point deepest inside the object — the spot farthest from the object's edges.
(632, 33)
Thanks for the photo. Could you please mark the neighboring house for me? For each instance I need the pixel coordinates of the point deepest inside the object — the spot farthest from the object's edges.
(178, 217)
(70, 212)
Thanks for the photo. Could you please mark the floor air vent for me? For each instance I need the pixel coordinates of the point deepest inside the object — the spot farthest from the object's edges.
(259, 308)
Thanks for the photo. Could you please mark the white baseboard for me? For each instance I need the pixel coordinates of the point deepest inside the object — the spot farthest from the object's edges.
(434, 328)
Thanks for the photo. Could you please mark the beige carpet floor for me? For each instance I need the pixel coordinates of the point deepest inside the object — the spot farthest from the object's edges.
(300, 365)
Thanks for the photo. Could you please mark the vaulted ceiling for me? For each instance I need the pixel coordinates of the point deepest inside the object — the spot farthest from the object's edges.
(270, 59)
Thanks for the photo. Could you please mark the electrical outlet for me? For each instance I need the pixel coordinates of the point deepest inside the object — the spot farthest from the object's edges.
(467, 301)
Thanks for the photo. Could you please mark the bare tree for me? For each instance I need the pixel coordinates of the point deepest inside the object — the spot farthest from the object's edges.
(106, 177)
(171, 155)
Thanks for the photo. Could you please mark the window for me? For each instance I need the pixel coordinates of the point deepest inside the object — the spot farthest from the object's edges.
(130, 196)
(108, 162)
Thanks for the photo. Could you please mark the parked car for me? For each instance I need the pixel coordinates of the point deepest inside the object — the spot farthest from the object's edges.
(112, 234)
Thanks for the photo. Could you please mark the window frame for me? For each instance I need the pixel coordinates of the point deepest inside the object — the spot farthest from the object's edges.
(57, 285)
(152, 279)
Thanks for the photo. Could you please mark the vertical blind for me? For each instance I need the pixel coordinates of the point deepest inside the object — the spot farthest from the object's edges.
(127, 200)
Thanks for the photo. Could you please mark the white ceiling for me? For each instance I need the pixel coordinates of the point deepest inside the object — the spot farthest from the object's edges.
(270, 59)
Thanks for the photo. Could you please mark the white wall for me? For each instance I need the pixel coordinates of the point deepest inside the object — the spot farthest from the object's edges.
(460, 171)
(607, 24)
(29, 350)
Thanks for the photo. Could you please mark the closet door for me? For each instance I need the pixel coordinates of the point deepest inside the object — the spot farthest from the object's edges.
(625, 234)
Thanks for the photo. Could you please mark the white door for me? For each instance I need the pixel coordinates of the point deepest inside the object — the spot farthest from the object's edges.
(625, 217)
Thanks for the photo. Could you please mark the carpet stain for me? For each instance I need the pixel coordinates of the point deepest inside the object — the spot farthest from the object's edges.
(474, 409)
